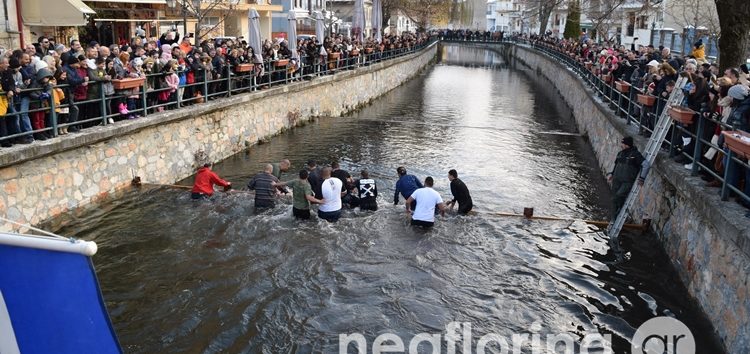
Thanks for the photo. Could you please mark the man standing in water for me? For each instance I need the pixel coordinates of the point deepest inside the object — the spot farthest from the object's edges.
(279, 167)
(263, 185)
(406, 185)
(313, 176)
(204, 183)
(628, 164)
(460, 194)
(330, 210)
(368, 192)
(427, 199)
(303, 195)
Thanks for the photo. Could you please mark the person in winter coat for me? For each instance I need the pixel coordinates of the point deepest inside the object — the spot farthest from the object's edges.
(98, 77)
(74, 81)
(699, 52)
(629, 167)
(41, 95)
(738, 119)
(171, 83)
(205, 180)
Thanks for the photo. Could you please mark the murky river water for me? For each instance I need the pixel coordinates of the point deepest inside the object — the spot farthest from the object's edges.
(215, 277)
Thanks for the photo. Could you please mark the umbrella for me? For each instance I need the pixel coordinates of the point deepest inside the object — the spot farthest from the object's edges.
(254, 36)
(358, 25)
(320, 30)
(320, 26)
(291, 33)
(377, 19)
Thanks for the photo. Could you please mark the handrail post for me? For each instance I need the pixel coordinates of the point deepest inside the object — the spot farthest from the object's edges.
(229, 80)
(698, 144)
(205, 85)
(144, 101)
(102, 102)
(727, 173)
(52, 112)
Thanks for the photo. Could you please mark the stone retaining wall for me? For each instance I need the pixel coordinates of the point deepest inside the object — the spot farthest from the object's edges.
(706, 239)
(67, 174)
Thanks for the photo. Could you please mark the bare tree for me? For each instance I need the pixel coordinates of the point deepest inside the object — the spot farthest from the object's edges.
(219, 9)
(541, 10)
(695, 13)
(426, 12)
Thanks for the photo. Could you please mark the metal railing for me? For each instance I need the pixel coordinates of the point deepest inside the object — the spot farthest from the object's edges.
(625, 104)
(29, 107)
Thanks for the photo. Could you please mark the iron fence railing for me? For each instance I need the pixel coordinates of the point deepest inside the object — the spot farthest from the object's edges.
(23, 109)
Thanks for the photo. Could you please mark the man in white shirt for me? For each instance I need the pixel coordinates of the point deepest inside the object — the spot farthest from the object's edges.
(427, 198)
(330, 210)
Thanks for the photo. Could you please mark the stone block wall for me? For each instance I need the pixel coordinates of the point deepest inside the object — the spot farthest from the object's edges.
(706, 239)
(68, 174)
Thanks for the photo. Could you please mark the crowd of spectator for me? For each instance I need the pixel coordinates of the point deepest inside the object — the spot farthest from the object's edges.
(71, 86)
(720, 99)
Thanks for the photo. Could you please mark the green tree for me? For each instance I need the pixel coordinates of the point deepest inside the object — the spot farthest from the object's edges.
(573, 23)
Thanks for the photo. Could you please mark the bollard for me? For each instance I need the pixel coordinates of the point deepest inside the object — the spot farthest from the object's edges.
(528, 213)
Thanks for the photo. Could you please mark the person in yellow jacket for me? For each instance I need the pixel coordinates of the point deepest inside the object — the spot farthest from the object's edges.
(699, 52)
(58, 95)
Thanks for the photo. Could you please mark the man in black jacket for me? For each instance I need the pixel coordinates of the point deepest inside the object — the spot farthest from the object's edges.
(460, 194)
(629, 166)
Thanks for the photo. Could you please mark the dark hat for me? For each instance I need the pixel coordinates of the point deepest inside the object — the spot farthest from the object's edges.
(72, 60)
(699, 43)
(14, 63)
(628, 140)
(401, 170)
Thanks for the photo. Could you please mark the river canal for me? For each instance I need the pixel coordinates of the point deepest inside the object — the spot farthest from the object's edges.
(181, 276)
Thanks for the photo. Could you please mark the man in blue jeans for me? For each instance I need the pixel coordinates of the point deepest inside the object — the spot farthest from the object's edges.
(330, 210)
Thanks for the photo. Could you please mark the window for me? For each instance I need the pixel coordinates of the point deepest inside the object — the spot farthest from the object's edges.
(631, 24)
(642, 22)
(209, 22)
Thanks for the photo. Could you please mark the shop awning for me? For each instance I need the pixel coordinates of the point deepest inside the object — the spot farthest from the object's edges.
(54, 13)
(161, 2)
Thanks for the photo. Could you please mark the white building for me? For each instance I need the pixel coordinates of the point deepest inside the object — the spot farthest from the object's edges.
(399, 23)
(504, 15)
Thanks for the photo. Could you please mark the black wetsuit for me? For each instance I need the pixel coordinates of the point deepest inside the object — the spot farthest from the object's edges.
(461, 195)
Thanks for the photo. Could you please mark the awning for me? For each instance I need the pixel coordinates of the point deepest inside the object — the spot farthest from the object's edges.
(161, 2)
(54, 13)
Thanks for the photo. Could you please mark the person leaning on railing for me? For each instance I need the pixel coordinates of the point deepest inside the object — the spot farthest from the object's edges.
(7, 84)
(739, 120)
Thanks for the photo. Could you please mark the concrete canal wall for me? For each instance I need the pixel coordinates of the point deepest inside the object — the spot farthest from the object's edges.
(69, 174)
(707, 239)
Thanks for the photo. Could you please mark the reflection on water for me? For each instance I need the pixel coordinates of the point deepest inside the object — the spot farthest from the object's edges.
(217, 277)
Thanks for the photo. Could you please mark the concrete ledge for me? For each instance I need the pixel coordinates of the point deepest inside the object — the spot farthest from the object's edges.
(21, 153)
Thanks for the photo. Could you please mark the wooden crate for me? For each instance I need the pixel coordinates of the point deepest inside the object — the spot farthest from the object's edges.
(682, 115)
(129, 83)
(733, 139)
